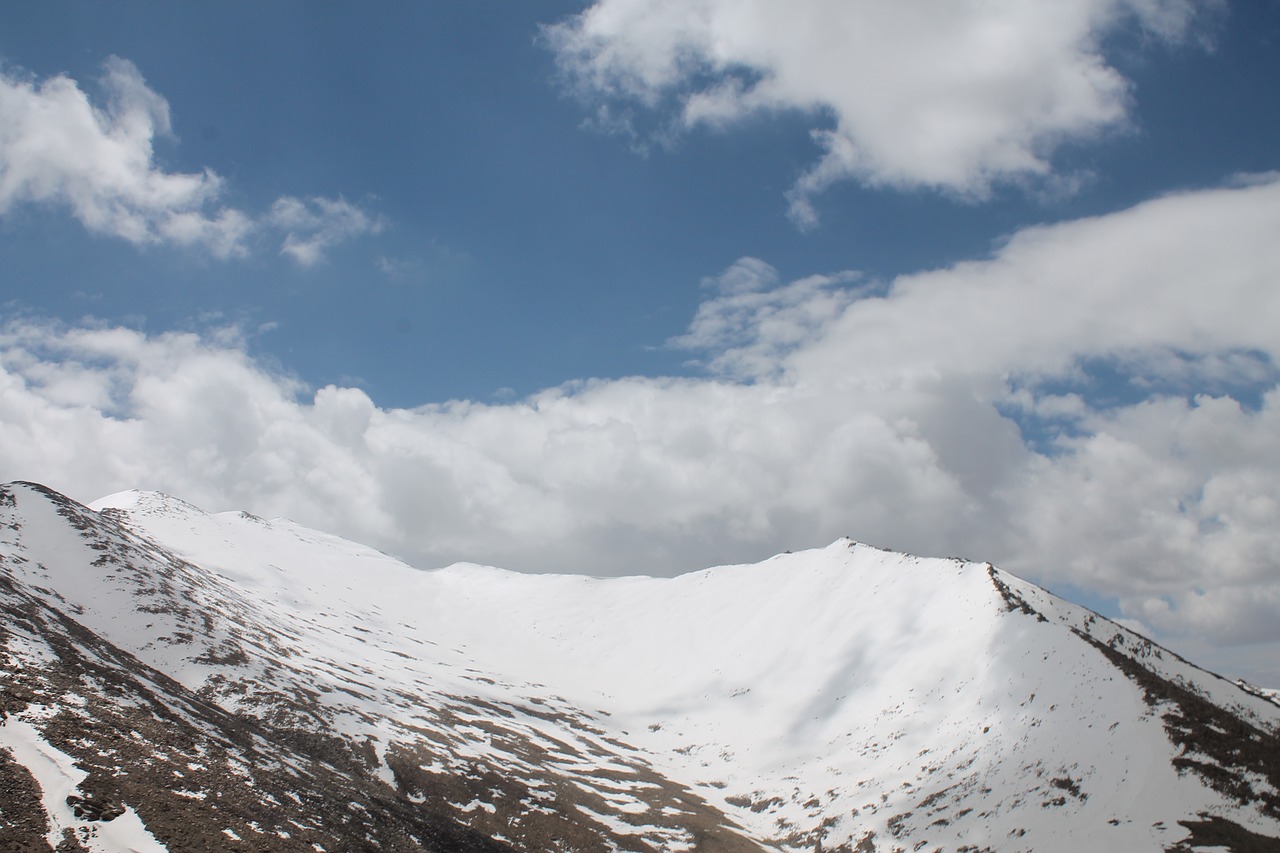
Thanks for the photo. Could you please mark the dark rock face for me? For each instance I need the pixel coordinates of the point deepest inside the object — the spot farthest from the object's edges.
(22, 822)
(92, 808)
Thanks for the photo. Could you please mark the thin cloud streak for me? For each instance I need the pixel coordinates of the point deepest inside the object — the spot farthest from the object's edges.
(317, 224)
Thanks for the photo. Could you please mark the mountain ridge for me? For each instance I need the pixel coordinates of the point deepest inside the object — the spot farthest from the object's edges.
(843, 698)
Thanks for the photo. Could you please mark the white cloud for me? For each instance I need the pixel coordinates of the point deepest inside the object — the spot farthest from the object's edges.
(838, 408)
(317, 224)
(58, 148)
(954, 96)
(1180, 286)
(752, 324)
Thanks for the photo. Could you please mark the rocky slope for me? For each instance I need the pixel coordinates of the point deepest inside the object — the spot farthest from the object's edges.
(219, 682)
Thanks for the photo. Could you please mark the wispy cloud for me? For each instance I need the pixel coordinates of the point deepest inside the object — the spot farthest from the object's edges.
(955, 97)
(752, 323)
(98, 161)
(317, 224)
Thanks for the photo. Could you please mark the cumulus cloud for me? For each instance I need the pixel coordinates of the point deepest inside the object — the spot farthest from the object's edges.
(963, 411)
(952, 96)
(58, 148)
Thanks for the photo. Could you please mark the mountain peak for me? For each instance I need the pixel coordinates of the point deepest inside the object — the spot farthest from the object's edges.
(147, 503)
(842, 698)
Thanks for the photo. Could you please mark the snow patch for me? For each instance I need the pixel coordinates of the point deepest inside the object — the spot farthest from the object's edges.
(58, 777)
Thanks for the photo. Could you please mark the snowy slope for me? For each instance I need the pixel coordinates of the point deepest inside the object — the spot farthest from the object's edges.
(846, 697)
(100, 751)
(309, 660)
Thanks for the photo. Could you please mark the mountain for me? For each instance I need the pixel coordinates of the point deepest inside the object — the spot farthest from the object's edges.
(179, 680)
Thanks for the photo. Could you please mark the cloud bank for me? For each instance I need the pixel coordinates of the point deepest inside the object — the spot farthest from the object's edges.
(950, 96)
(1097, 403)
(59, 149)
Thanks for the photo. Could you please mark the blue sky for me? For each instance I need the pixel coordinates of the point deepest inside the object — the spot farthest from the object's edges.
(926, 274)
(524, 250)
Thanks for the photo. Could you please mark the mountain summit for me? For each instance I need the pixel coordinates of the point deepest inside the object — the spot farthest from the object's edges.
(179, 680)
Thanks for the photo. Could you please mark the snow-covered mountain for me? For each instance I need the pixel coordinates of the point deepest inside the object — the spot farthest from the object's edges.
(217, 682)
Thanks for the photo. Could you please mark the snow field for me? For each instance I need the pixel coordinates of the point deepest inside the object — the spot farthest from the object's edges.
(818, 695)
